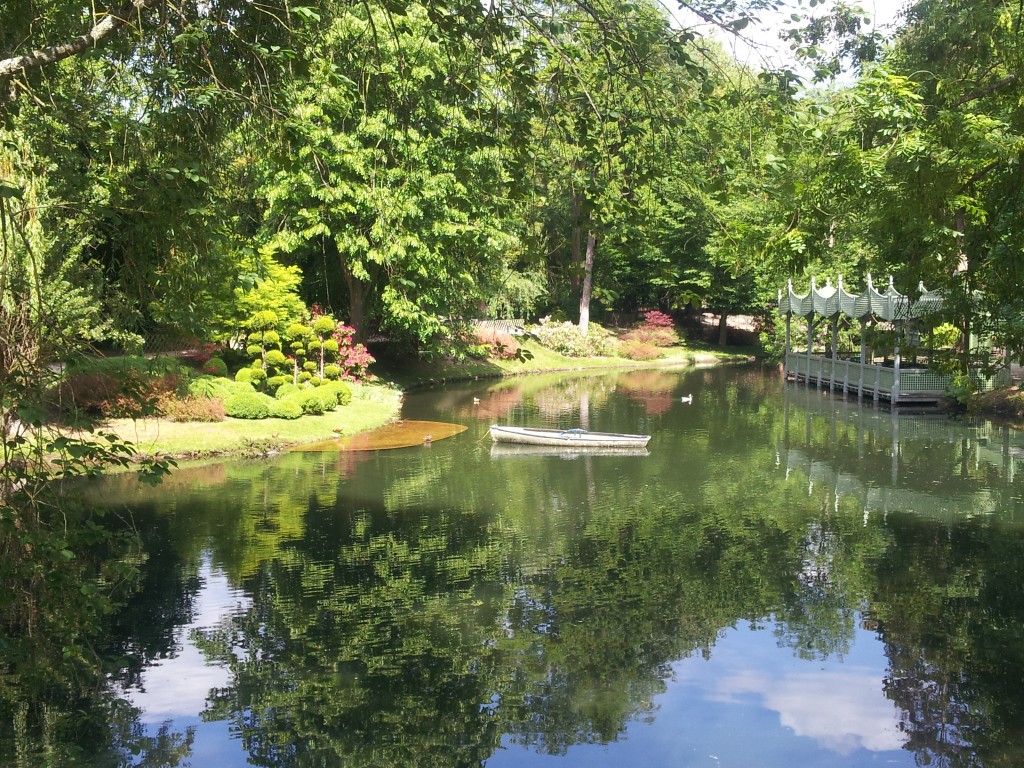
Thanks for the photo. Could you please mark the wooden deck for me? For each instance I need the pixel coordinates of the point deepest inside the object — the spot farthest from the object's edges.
(905, 386)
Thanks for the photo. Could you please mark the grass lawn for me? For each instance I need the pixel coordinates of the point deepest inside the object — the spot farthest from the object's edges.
(372, 406)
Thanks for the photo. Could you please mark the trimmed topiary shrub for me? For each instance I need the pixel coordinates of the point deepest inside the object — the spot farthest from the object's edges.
(332, 371)
(248, 405)
(341, 391)
(289, 408)
(285, 390)
(276, 381)
(244, 375)
(215, 366)
(276, 358)
(310, 402)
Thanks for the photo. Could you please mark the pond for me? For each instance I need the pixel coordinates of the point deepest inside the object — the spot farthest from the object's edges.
(784, 578)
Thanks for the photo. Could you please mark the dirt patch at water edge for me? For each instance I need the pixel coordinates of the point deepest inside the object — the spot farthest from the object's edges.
(1006, 404)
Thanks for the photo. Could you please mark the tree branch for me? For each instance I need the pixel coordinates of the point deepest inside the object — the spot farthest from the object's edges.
(106, 27)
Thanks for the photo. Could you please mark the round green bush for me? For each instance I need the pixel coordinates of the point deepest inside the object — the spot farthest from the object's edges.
(271, 338)
(331, 345)
(309, 365)
(285, 390)
(327, 398)
(276, 381)
(324, 325)
(215, 366)
(276, 357)
(244, 374)
(341, 391)
(305, 376)
(288, 408)
(254, 350)
(332, 371)
(248, 405)
(310, 402)
(316, 381)
(258, 374)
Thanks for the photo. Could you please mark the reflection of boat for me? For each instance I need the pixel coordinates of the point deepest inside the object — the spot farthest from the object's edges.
(507, 450)
(566, 438)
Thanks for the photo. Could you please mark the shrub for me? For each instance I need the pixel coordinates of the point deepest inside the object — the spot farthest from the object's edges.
(199, 354)
(276, 381)
(215, 366)
(309, 401)
(248, 405)
(309, 366)
(502, 346)
(285, 390)
(258, 374)
(341, 392)
(205, 409)
(305, 376)
(276, 358)
(567, 339)
(656, 330)
(244, 375)
(332, 371)
(130, 394)
(288, 408)
(638, 350)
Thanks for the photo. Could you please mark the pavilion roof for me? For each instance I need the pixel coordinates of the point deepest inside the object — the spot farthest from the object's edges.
(830, 301)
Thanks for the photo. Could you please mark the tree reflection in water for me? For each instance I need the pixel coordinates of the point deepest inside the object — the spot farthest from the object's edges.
(431, 607)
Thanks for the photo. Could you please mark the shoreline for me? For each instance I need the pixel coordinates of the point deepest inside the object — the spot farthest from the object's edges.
(373, 405)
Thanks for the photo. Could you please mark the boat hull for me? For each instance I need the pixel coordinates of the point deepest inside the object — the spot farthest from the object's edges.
(561, 438)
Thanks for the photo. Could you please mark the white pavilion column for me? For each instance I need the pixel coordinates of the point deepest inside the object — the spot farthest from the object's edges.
(896, 372)
(863, 354)
(835, 343)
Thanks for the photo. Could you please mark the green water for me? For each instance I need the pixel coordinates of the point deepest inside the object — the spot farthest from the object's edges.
(786, 578)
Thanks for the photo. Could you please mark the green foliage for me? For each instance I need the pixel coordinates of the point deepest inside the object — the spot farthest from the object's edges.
(339, 390)
(284, 390)
(244, 375)
(275, 382)
(248, 405)
(275, 358)
(332, 371)
(215, 366)
(287, 408)
(567, 339)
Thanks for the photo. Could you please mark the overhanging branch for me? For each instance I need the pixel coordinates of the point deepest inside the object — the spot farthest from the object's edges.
(107, 26)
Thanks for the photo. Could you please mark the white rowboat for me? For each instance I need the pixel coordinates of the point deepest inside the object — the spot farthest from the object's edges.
(574, 438)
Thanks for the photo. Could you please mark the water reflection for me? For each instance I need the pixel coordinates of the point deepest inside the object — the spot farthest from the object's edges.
(722, 600)
(885, 461)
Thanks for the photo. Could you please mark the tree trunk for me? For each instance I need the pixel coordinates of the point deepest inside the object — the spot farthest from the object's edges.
(575, 253)
(358, 290)
(723, 329)
(588, 282)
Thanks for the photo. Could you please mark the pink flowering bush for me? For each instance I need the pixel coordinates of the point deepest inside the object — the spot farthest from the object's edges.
(354, 359)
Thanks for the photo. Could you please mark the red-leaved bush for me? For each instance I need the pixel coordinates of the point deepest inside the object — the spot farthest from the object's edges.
(656, 330)
(502, 346)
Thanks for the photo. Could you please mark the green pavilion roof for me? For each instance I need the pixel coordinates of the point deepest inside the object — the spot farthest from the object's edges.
(830, 301)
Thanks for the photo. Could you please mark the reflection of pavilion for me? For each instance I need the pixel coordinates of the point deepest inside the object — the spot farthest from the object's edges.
(863, 374)
(888, 462)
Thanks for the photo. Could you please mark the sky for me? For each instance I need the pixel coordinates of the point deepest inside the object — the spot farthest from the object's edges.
(773, 52)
